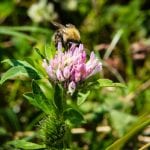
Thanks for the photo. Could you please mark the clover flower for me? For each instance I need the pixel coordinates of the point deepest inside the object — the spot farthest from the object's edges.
(71, 67)
(42, 11)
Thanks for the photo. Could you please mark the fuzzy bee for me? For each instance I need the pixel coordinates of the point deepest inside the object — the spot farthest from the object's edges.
(66, 34)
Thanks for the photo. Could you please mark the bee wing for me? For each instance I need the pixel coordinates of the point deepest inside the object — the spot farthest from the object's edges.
(56, 24)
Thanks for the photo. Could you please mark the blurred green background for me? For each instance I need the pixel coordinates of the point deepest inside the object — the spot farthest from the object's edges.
(118, 31)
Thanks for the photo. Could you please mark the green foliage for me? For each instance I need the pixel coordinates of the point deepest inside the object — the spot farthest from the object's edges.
(25, 145)
(121, 121)
(40, 99)
(19, 69)
(136, 127)
(105, 110)
(109, 83)
(17, 32)
(82, 97)
(73, 116)
(59, 98)
(11, 119)
(49, 51)
(6, 8)
(14, 72)
(6, 31)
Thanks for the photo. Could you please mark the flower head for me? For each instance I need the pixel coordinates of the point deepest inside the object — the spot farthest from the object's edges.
(42, 11)
(71, 67)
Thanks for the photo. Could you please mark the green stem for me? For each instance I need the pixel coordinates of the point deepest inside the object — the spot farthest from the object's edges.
(129, 63)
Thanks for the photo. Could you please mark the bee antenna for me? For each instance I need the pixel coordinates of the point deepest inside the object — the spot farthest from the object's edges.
(56, 24)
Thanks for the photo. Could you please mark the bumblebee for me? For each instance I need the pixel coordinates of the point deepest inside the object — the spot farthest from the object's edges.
(66, 34)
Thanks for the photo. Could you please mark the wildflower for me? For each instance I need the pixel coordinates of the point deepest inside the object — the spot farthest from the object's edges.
(42, 11)
(71, 67)
(70, 5)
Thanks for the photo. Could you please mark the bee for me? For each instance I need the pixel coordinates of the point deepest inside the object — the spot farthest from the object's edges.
(66, 34)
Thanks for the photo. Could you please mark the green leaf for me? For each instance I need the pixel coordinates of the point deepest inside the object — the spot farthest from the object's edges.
(39, 53)
(20, 68)
(50, 51)
(59, 98)
(73, 116)
(25, 64)
(3, 131)
(46, 88)
(25, 145)
(11, 118)
(14, 72)
(6, 8)
(14, 62)
(142, 122)
(116, 118)
(145, 146)
(30, 97)
(41, 101)
(29, 29)
(9, 31)
(109, 83)
(82, 97)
